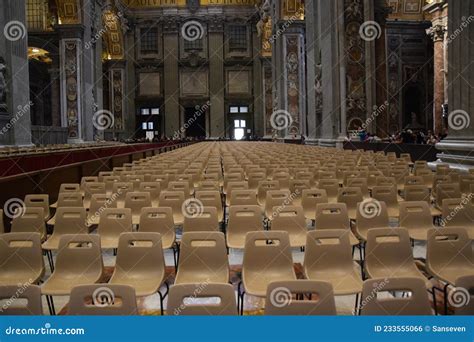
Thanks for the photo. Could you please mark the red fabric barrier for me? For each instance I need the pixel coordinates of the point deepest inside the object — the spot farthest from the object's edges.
(10, 166)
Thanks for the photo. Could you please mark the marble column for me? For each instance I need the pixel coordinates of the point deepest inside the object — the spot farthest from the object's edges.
(333, 71)
(258, 89)
(217, 115)
(437, 33)
(15, 104)
(458, 146)
(171, 77)
(117, 83)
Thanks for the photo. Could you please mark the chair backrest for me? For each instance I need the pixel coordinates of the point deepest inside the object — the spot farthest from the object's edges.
(41, 201)
(209, 185)
(386, 182)
(179, 186)
(120, 190)
(387, 248)
(26, 249)
(243, 197)
(330, 185)
(70, 221)
(69, 187)
(255, 177)
(276, 198)
(448, 248)
(414, 180)
(376, 304)
(158, 220)
(328, 250)
(415, 214)
(140, 253)
(210, 198)
(264, 186)
(350, 196)
(216, 300)
(70, 199)
(136, 201)
(79, 255)
(465, 183)
(236, 185)
(446, 191)
(203, 220)
(86, 180)
(103, 300)
(360, 183)
(244, 218)
(260, 255)
(109, 182)
(279, 299)
(439, 179)
(22, 300)
(417, 193)
(289, 217)
(93, 188)
(464, 291)
(203, 251)
(312, 197)
(332, 216)
(387, 194)
(457, 212)
(114, 221)
(153, 188)
(172, 199)
(31, 221)
(371, 214)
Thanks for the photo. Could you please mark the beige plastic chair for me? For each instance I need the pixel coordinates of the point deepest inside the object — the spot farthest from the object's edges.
(323, 303)
(211, 199)
(91, 189)
(109, 183)
(85, 181)
(370, 214)
(231, 178)
(67, 187)
(135, 201)
(203, 259)
(154, 189)
(416, 218)
(113, 222)
(263, 187)
(360, 183)
(21, 259)
(68, 221)
(99, 202)
(242, 219)
(276, 198)
(389, 255)
(159, 220)
(267, 258)
(120, 191)
(217, 300)
(31, 221)
(67, 199)
(416, 304)
(467, 283)
(41, 201)
(458, 212)
(79, 262)
(291, 220)
(208, 185)
(446, 191)
(24, 300)
(335, 216)
(243, 197)
(439, 179)
(175, 201)
(204, 220)
(102, 300)
(351, 197)
(140, 263)
(449, 254)
(388, 194)
(254, 178)
(231, 186)
(414, 193)
(310, 199)
(328, 257)
(332, 188)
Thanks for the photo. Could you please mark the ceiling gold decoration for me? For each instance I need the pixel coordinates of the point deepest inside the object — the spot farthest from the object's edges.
(39, 55)
(68, 12)
(154, 3)
(407, 9)
(292, 10)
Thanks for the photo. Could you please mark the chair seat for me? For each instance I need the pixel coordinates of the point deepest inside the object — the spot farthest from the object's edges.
(52, 243)
(178, 219)
(236, 241)
(450, 275)
(256, 283)
(435, 211)
(297, 239)
(420, 233)
(310, 214)
(344, 282)
(62, 286)
(8, 278)
(144, 284)
(107, 242)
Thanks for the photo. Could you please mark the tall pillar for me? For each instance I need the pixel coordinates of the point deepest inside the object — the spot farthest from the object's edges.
(258, 90)
(439, 13)
(15, 104)
(171, 77)
(216, 79)
(333, 75)
(458, 146)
